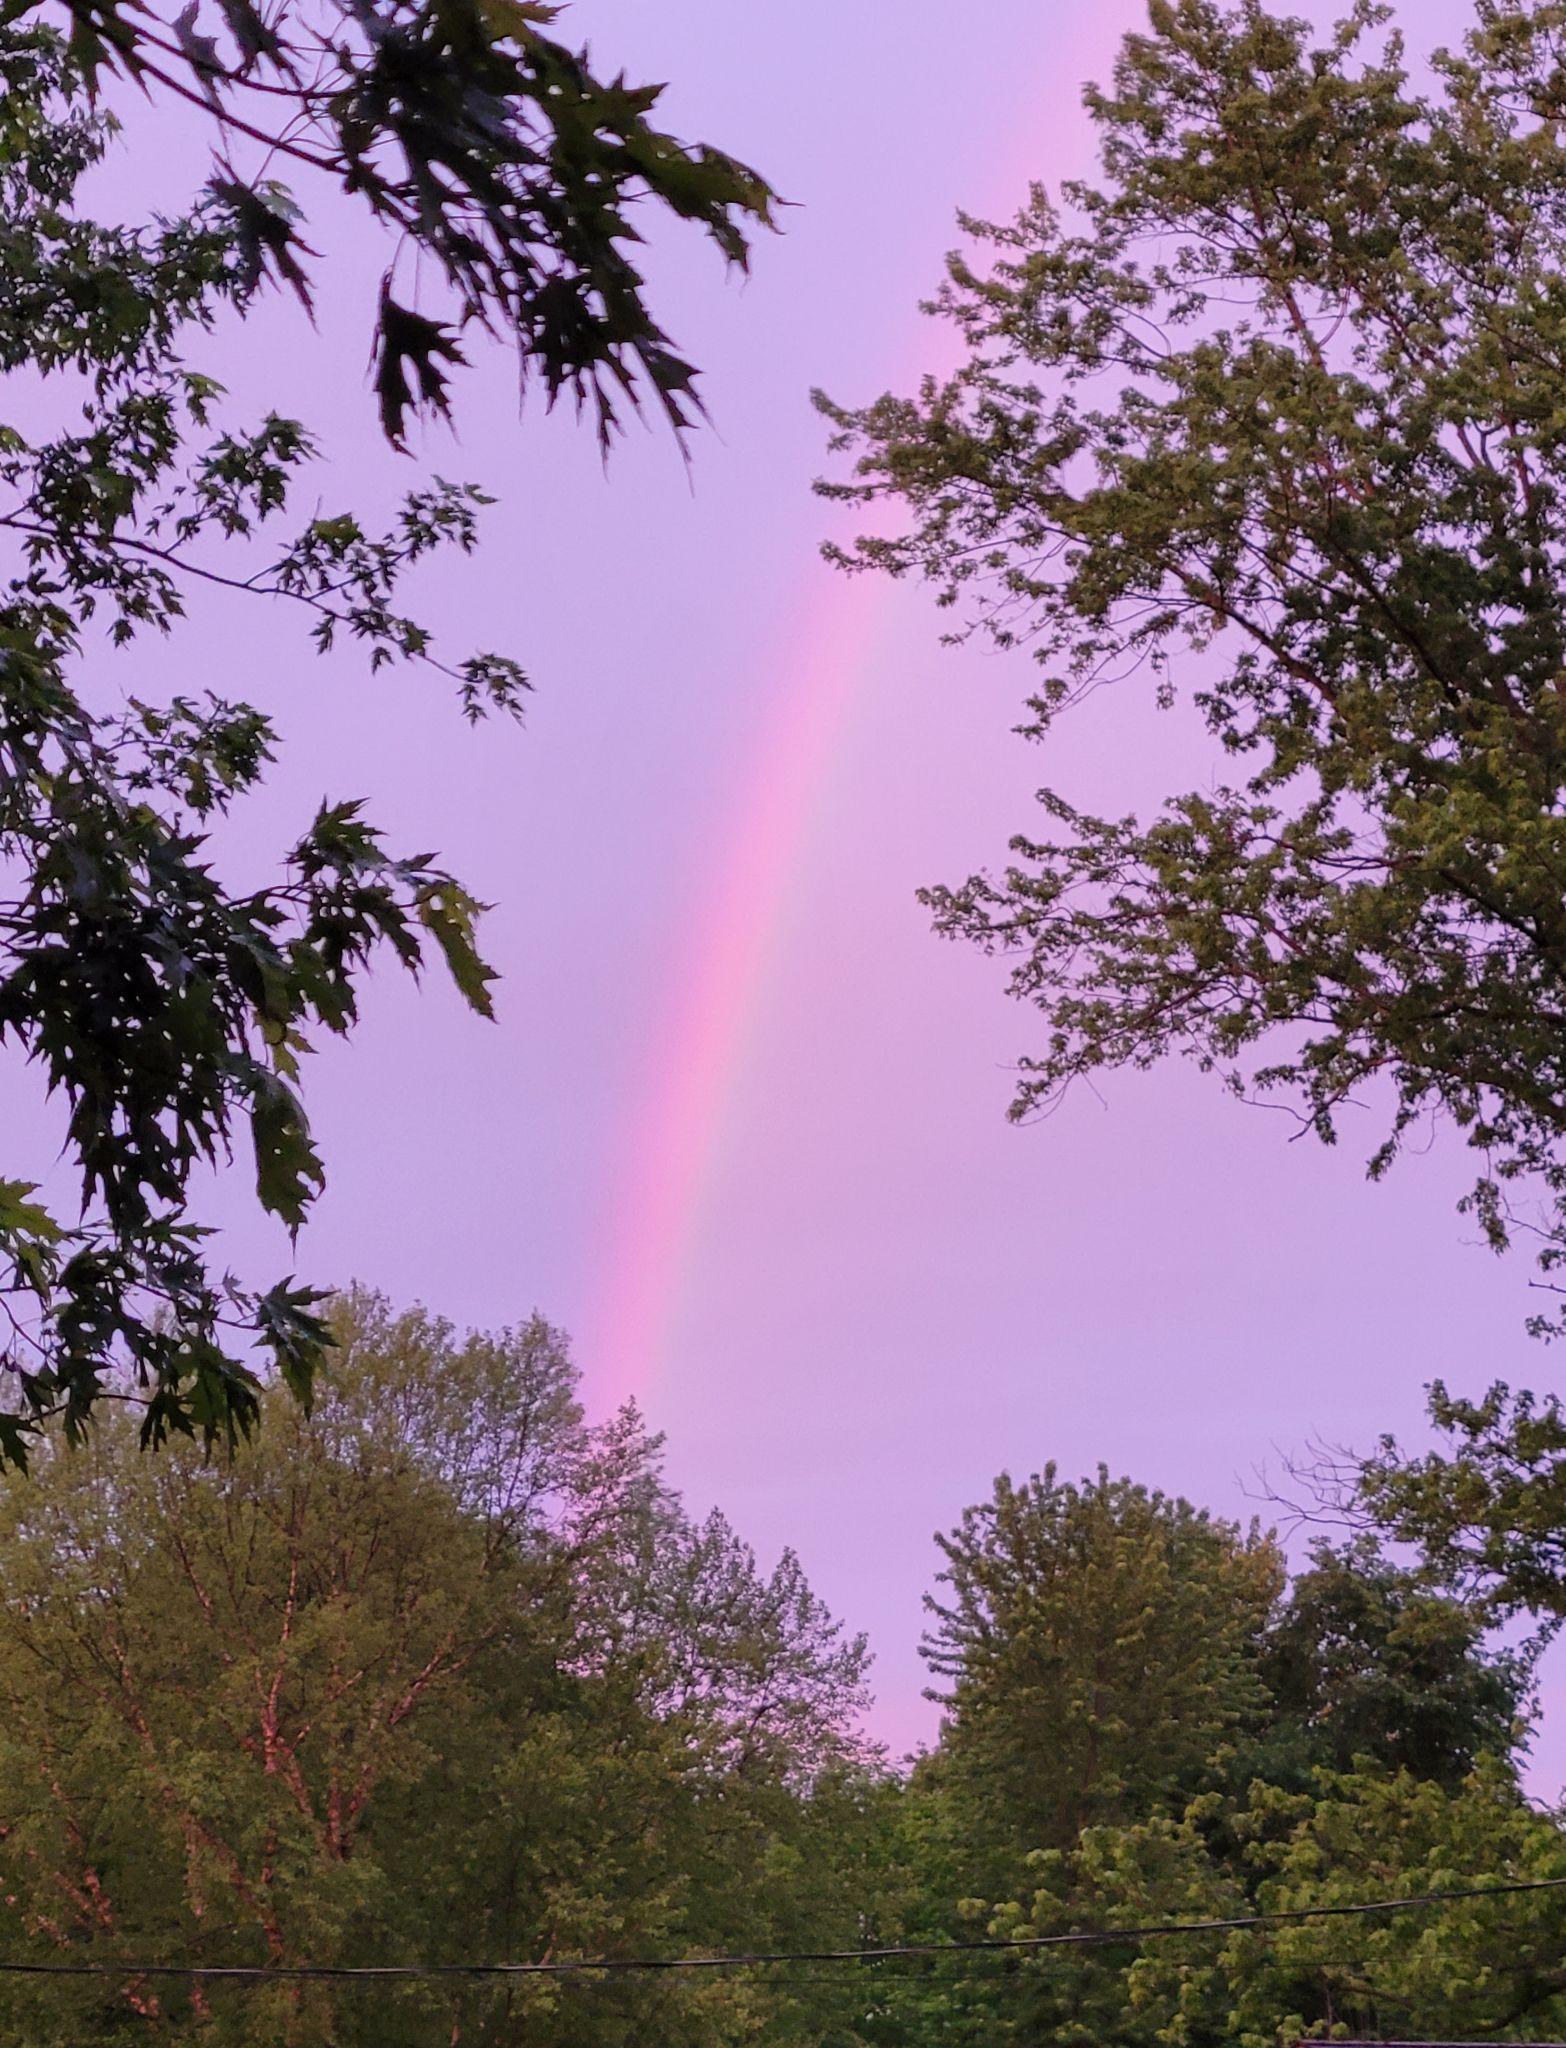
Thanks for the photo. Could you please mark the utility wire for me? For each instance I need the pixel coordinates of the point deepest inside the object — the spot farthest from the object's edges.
(1091, 1937)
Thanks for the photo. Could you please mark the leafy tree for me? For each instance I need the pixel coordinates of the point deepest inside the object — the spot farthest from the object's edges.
(166, 1005)
(447, 1673)
(1487, 1510)
(443, 1675)
(1363, 1661)
(1281, 393)
(498, 165)
(1100, 1644)
(1142, 1731)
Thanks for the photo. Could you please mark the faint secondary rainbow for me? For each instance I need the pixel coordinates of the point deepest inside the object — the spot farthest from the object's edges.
(700, 1073)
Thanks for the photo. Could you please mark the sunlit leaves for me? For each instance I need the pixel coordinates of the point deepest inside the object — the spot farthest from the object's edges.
(1146, 1725)
(301, 1705)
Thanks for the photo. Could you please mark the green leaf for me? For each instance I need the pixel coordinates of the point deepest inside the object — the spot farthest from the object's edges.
(254, 34)
(449, 913)
(298, 1338)
(265, 237)
(21, 1218)
(16, 1431)
(407, 343)
(289, 1173)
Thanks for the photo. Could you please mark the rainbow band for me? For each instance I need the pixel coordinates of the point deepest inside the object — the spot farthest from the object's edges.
(671, 1161)
(701, 1073)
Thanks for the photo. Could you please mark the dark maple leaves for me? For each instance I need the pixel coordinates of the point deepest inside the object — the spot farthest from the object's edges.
(486, 148)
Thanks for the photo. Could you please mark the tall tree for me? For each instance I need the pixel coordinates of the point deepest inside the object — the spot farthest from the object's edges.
(1143, 1732)
(163, 1004)
(1100, 1645)
(1269, 417)
(444, 1675)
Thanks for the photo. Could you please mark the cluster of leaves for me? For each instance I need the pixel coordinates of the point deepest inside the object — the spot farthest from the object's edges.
(445, 1674)
(1282, 394)
(490, 153)
(167, 1009)
(1467, 1970)
(1486, 1508)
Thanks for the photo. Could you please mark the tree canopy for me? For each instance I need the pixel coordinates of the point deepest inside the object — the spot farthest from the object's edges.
(1108, 1629)
(1485, 1508)
(1267, 420)
(165, 1002)
(476, 141)
(1364, 1659)
(1264, 421)
(1146, 1724)
(447, 1674)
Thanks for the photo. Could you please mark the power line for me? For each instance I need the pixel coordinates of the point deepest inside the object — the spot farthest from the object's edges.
(1091, 1937)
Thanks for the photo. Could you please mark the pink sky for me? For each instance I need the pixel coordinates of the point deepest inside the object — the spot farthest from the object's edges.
(741, 1125)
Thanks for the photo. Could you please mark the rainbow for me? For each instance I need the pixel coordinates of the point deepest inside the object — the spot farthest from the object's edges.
(699, 1075)
(675, 1151)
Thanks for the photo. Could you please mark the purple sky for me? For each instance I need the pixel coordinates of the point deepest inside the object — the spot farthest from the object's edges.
(876, 1293)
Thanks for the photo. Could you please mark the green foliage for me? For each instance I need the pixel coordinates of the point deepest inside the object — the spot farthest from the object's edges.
(1281, 393)
(1364, 1661)
(1144, 1727)
(1487, 1510)
(165, 1005)
(1461, 1973)
(445, 1673)
(1110, 1631)
(442, 1674)
(493, 157)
